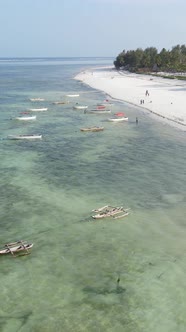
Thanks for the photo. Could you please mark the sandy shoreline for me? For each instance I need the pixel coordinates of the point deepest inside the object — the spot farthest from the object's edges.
(166, 98)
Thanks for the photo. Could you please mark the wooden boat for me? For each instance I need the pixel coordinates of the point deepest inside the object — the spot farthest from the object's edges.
(72, 96)
(121, 216)
(38, 109)
(80, 107)
(14, 248)
(109, 211)
(36, 99)
(25, 137)
(60, 102)
(101, 208)
(92, 129)
(26, 118)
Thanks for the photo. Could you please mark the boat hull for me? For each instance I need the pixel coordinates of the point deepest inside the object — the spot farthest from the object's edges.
(36, 99)
(118, 120)
(17, 248)
(24, 137)
(80, 107)
(93, 129)
(26, 118)
(100, 111)
(38, 109)
(72, 96)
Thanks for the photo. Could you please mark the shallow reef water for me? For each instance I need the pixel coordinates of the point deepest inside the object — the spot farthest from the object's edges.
(84, 274)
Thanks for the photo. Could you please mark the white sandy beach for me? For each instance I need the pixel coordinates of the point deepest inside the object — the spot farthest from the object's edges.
(166, 99)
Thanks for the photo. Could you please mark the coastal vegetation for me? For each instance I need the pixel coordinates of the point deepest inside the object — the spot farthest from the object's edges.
(150, 60)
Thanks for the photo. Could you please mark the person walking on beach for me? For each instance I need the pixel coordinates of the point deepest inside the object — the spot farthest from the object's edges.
(146, 93)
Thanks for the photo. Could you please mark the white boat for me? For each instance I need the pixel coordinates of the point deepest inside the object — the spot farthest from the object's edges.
(38, 109)
(118, 117)
(26, 118)
(25, 137)
(98, 111)
(80, 107)
(73, 95)
(16, 247)
(36, 99)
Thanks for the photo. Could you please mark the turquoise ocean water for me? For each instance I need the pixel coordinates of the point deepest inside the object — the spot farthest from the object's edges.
(48, 189)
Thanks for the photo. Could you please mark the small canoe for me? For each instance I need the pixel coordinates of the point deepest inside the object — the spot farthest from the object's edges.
(38, 109)
(94, 129)
(24, 137)
(26, 118)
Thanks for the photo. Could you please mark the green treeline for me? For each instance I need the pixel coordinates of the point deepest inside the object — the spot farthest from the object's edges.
(140, 60)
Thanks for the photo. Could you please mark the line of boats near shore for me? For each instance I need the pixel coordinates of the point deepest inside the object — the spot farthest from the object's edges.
(100, 108)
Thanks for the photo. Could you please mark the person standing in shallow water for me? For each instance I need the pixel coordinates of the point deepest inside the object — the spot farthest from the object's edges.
(136, 120)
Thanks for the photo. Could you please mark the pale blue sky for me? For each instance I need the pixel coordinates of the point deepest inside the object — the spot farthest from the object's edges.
(58, 28)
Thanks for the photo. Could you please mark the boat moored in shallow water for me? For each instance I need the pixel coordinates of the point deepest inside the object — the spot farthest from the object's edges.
(38, 109)
(14, 248)
(110, 211)
(118, 117)
(25, 137)
(36, 99)
(98, 111)
(80, 107)
(26, 118)
(94, 129)
(73, 95)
